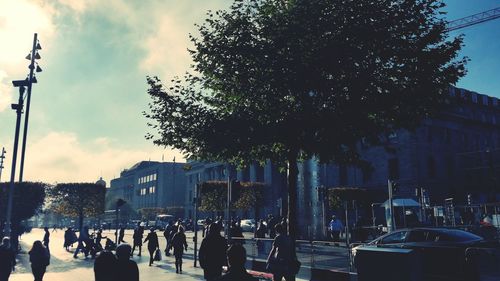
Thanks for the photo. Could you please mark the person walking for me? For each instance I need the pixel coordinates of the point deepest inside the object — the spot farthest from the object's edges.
(7, 259)
(236, 258)
(212, 253)
(126, 269)
(153, 244)
(98, 238)
(40, 259)
(83, 241)
(121, 234)
(46, 237)
(137, 237)
(68, 237)
(335, 228)
(282, 256)
(105, 266)
(179, 244)
(168, 234)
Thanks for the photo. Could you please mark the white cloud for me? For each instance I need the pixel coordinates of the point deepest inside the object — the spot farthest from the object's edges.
(62, 157)
(19, 20)
(5, 91)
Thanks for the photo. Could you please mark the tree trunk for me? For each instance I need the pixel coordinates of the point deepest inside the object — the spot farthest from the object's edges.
(292, 194)
(80, 221)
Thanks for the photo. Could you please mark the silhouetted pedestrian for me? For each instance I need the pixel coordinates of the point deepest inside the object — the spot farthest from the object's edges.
(105, 267)
(281, 258)
(126, 269)
(137, 237)
(46, 237)
(236, 258)
(213, 253)
(83, 241)
(7, 259)
(121, 235)
(68, 238)
(153, 244)
(98, 238)
(40, 259)
(169, 234)
(179, 244)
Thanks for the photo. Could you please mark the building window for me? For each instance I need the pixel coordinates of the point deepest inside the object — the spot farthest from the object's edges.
(367, 174)
(152, 189)
(393, 165)
(431, 167)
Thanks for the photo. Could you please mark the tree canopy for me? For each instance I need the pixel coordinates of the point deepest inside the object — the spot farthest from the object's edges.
(78, 200)
(28, 200)
(245, 195)
(287, 80)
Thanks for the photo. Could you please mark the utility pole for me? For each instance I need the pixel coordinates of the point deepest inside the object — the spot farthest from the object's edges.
(1, 162)
(391, 186)
(195, 238)
(22, 84)
(34, 55)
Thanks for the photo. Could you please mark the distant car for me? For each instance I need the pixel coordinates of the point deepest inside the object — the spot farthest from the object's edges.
(443, 250)
(248, 225)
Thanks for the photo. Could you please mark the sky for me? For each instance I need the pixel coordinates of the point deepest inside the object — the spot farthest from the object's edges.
(86, 109)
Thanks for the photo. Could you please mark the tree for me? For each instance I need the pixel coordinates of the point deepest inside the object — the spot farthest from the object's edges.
(28, 200)
(78, 200)
(245, 195)
(289, 80)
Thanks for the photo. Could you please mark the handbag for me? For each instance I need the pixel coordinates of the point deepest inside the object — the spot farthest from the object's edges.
(157, 255)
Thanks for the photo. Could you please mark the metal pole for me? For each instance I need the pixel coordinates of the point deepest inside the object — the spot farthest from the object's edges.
(195, 254)
(19, 109)
(391, 206)
(1, 162)
(23, 148)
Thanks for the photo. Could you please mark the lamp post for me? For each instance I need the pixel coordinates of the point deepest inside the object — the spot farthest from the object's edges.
(1, 162)
(32, 79)
(22, 84)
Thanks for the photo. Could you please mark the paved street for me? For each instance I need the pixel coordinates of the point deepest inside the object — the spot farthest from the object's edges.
(64, 267)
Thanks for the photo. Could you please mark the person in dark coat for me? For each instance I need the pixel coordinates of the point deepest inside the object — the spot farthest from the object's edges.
(153, 244)
(68, 238)
(7, 259)
(179, 244)
(280, 259)
(236, 258)
(126, 269)
(105, 266)
(83, 241)
(137, 237)
(40, 259)
(46, 237)
(213, 253)
(169, 234)
(121, 235)
(98, 238)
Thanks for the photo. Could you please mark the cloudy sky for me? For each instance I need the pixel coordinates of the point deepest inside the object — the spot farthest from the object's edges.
(86, 111)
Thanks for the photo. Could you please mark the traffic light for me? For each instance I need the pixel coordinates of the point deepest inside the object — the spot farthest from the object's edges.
(394, 186)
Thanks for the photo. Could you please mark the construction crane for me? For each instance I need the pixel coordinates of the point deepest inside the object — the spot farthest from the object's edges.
(474, 19)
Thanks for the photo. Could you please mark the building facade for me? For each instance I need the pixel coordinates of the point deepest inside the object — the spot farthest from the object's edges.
(150, 184)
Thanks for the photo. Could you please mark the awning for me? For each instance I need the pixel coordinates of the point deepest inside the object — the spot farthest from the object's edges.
(401, 202)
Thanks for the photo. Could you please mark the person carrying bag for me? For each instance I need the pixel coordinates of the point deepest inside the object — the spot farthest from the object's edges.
(282, 261)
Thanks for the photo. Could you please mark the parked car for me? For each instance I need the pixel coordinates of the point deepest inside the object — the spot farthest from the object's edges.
(248, 225)
(443, 250)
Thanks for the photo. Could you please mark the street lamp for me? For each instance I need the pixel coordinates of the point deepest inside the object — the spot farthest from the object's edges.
(18, 107)
(32, 79)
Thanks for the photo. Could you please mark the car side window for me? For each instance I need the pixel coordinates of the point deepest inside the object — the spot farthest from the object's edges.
(416, 236)
(398, 237)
